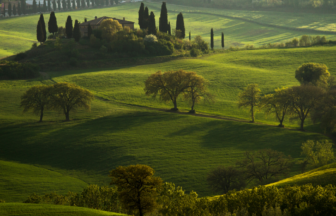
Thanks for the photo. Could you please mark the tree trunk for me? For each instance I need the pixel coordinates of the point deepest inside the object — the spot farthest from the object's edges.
(175, 105)
(281, 125)
(252, 113)
(41, 115)
(67, 116)
(301, 125)
(140, 212)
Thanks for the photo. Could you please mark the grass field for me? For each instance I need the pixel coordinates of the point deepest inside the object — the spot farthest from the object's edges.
(10, 209)
(17, 34)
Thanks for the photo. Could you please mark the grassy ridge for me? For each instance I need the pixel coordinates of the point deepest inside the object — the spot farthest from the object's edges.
(22, 30)
(9, 209)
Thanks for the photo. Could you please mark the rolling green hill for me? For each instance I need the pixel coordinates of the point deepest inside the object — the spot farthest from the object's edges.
(22, 30)
(18, 181)
(321, 176)
(9, 209)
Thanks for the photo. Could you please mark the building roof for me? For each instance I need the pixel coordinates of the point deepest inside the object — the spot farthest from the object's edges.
(97, 21)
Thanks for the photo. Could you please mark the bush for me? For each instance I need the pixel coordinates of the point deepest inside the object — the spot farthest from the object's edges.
(200, 44)
(150, 39)
(15, 70)
(34, 45)
(20, 56)
(195, 52)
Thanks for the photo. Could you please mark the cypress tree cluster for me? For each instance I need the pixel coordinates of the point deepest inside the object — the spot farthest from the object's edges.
(76, 33)
(34, 6)
(222, 40)
(42, 23)
(163, 27)
(39, 32)
(180, 25)
(52, 24)
(212, 38)
(151, 24)
(68, 27)
(9, 9)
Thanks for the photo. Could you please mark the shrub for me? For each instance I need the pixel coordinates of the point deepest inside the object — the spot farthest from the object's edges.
(50, 37)
(15, 70)
(150, 39)
(295, 42)
(195, 52)
(249, 47)
(199, 43)
(20, 56)
(34, 45)
(2, 201)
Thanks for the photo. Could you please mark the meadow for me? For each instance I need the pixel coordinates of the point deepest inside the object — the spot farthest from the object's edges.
(18, 34)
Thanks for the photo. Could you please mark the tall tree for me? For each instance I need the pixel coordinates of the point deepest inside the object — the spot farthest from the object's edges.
(189, 36)
(180, 25)
(87, 3)
(250, 98)
(52, 24)
(83, 3)
(76, 33)
(4, 10)
(222, 40)
(73, 4)
(69, 4)
(141, 15)
(169, 29)
(146, 18)
(152, 24)
(137, 186)
(44, 6)
(54, 5)
(43, 27)
(14, 10)
(9, 10)
(39, 33)
(64, 6)
(163, 22)
(89, 31)
(39, 7)
(49, 5)
(59, 4)
(78, 4)
(19, 9)
(93, 3)
(212, 39)
(34, 6)
(68, 27)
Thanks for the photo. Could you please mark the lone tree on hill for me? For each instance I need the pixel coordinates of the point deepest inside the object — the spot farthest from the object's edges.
(152, 25)
(163, 27)
(313, 73)
(43, 27)
(52, 24)
(222, 40)
(250, 97)
(9, 11)
(36, 98)
(34, 6)
(137, 186)
(14, 10)
(212, 39)
(180, 25)
(141, 15)
(69, 97)
(77, 34)
(68, 27)
(146, 18)
(39, 32)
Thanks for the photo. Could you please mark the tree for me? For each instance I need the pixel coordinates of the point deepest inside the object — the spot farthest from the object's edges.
(212, 39)
(14, 10)
(277, 103)
(39, 33)
(146, 18)
(64, 6)
(52, 24)
(59, 4)
(42, 23)
(78, 3)
(34, 6)
(318, 153)
(49, 5)
(70, 97)
(9, 11)
(303, 99)
(77, 34)
(189, 36)
(152, 24)
(68, 27)
(137, 186)
(250, 97)
(19, 9)
(36, 99)
(74, 4)
(87, 3)
(54, 5)
(169, 29)
(109, 28)
(83, 3)
(93, 3)
(221, 180)
(313, 73)
(223, 40)
(39, 7)
(44, 6)
(141, 15)
(180, 25)
(89, 31)
(168, 85)
(265, 164)
(163, 24)
(23, 6)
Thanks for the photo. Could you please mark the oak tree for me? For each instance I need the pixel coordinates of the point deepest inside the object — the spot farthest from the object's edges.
(313, 73)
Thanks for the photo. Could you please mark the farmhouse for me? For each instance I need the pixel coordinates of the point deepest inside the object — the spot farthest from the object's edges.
(97, 21)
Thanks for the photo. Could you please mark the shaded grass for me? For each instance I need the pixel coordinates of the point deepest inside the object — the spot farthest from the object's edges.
(7, 209)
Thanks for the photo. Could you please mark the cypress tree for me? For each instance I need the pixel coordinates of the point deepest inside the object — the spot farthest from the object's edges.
(189, 36)
(212, 39)
(107, 2)
(146, 18)
(9, 10)
(180, 24)
(14, 10)
(19, 9)
(43, 27)
(89, 31)
(44, 6)
(76, 31)
(117, 2)
(222, 40)
(54, 5)
(68, 27)
(34, 6)
(49, 5)
(163, 27)
(169, 29)
(39, 32)
(52, 24)
(141, 15)
(151, 24)
(59, 4)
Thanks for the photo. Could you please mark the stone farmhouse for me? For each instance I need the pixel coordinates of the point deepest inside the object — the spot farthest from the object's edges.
(97, 21)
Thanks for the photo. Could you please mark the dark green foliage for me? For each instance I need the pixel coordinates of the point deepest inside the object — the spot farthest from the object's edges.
(23, 6)
(9, 11)
(195, 52)
(15, 70)
(146, 18)
(49, 5)
(152, 24)
(189, 36)
(54, 5)
(39, 7)
(180, 25)
(52, 24)
(223, 40)
(73, 4)
(39, 32)
(20, 56)
(14, 10)
(87, 3)
(93, 3)
(83, 3)
(212, 39)
(59, 4)
(89, 31)
(69, 4)
(34, 6)
(163, 25)
(44, 6)
(97, 33)
(141, 15)
(19, 9)
(76, 34)
(43, 28)
(169, 29)
(68, 27)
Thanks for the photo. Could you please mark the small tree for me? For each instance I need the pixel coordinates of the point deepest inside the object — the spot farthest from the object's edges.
(212, 39)
(77, 34)
(250, 97)
(39, 33)
(42, 23)
(152, 24)
(68, 27)
(221, 180)
(137, 186)
(223, 40)
(109, 28)
(52, 24)
(180, 25)
(163, 24)
(318, 153)
(36, 99)
(70, 97)
(313, 73)
(265, 164)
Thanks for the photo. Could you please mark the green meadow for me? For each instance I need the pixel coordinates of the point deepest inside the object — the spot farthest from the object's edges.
(17, 34)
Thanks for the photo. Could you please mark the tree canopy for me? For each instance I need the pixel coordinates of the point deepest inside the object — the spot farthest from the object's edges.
(180, 25)
(152, 24)
(313, 73)
(76, 33)
(109, 28)
(52, 24)
(68, 27)
(163, 22)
